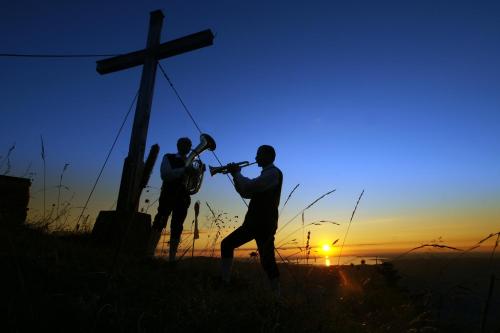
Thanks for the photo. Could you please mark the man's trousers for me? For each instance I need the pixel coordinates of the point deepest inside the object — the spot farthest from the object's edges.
(265, 246)
(177, 206)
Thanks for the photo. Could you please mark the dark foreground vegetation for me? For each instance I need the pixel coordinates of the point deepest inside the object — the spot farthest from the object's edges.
(63, 283)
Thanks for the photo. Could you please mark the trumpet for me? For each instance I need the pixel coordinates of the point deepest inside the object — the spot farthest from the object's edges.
(224, 169)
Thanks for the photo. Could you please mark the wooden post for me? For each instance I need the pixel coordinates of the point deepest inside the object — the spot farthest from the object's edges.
(133, 165)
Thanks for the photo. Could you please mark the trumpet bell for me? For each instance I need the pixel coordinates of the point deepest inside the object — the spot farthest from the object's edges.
(215, 170)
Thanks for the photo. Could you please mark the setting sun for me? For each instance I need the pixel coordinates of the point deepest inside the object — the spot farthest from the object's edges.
(326, 248)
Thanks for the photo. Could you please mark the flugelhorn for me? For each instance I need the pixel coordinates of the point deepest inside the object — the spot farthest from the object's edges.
(224, 169)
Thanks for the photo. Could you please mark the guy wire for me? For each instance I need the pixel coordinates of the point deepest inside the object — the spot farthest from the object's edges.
(21, 55)
(192, 119)
(107, 158)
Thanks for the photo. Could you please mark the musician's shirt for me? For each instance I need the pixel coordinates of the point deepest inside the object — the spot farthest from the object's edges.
(169, 173)
(246, 187)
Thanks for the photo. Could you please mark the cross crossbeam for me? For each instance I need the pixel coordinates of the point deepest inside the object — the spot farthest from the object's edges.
(165, 50)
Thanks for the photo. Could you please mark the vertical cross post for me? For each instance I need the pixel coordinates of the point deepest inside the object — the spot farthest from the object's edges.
(134, 165)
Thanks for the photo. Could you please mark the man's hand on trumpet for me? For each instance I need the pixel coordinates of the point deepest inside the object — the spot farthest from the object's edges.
(233, 168)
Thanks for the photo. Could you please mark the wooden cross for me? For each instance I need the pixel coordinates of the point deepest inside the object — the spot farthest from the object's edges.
(148, 57)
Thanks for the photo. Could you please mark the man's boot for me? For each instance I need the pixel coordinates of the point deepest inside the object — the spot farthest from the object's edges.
(174, 244)
(154, 238)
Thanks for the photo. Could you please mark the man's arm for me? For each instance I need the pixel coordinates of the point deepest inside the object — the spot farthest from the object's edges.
(238, 189)
(246, 187)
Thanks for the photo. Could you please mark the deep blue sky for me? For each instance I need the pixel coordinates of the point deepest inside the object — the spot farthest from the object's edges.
(400, 98)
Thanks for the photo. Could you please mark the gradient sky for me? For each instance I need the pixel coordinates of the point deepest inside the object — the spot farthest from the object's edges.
(400, 98)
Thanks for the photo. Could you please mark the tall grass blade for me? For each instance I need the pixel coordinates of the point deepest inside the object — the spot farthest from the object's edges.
(478, 244)
(308, 206)
(59, 187)
(490, 288)
(440, 246)
(283, 239)
(302, 228)
(486, 309)
(349, 226)
(7, 157)
(494, 249)
(44, 175)
(288, 198)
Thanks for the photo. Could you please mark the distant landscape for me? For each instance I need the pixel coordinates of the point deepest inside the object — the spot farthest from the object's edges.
(58, 281)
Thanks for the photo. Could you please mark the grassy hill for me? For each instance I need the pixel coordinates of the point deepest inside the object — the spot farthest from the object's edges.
(63, 282)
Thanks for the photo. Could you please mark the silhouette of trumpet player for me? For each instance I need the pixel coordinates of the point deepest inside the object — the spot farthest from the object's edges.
(261, 219)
